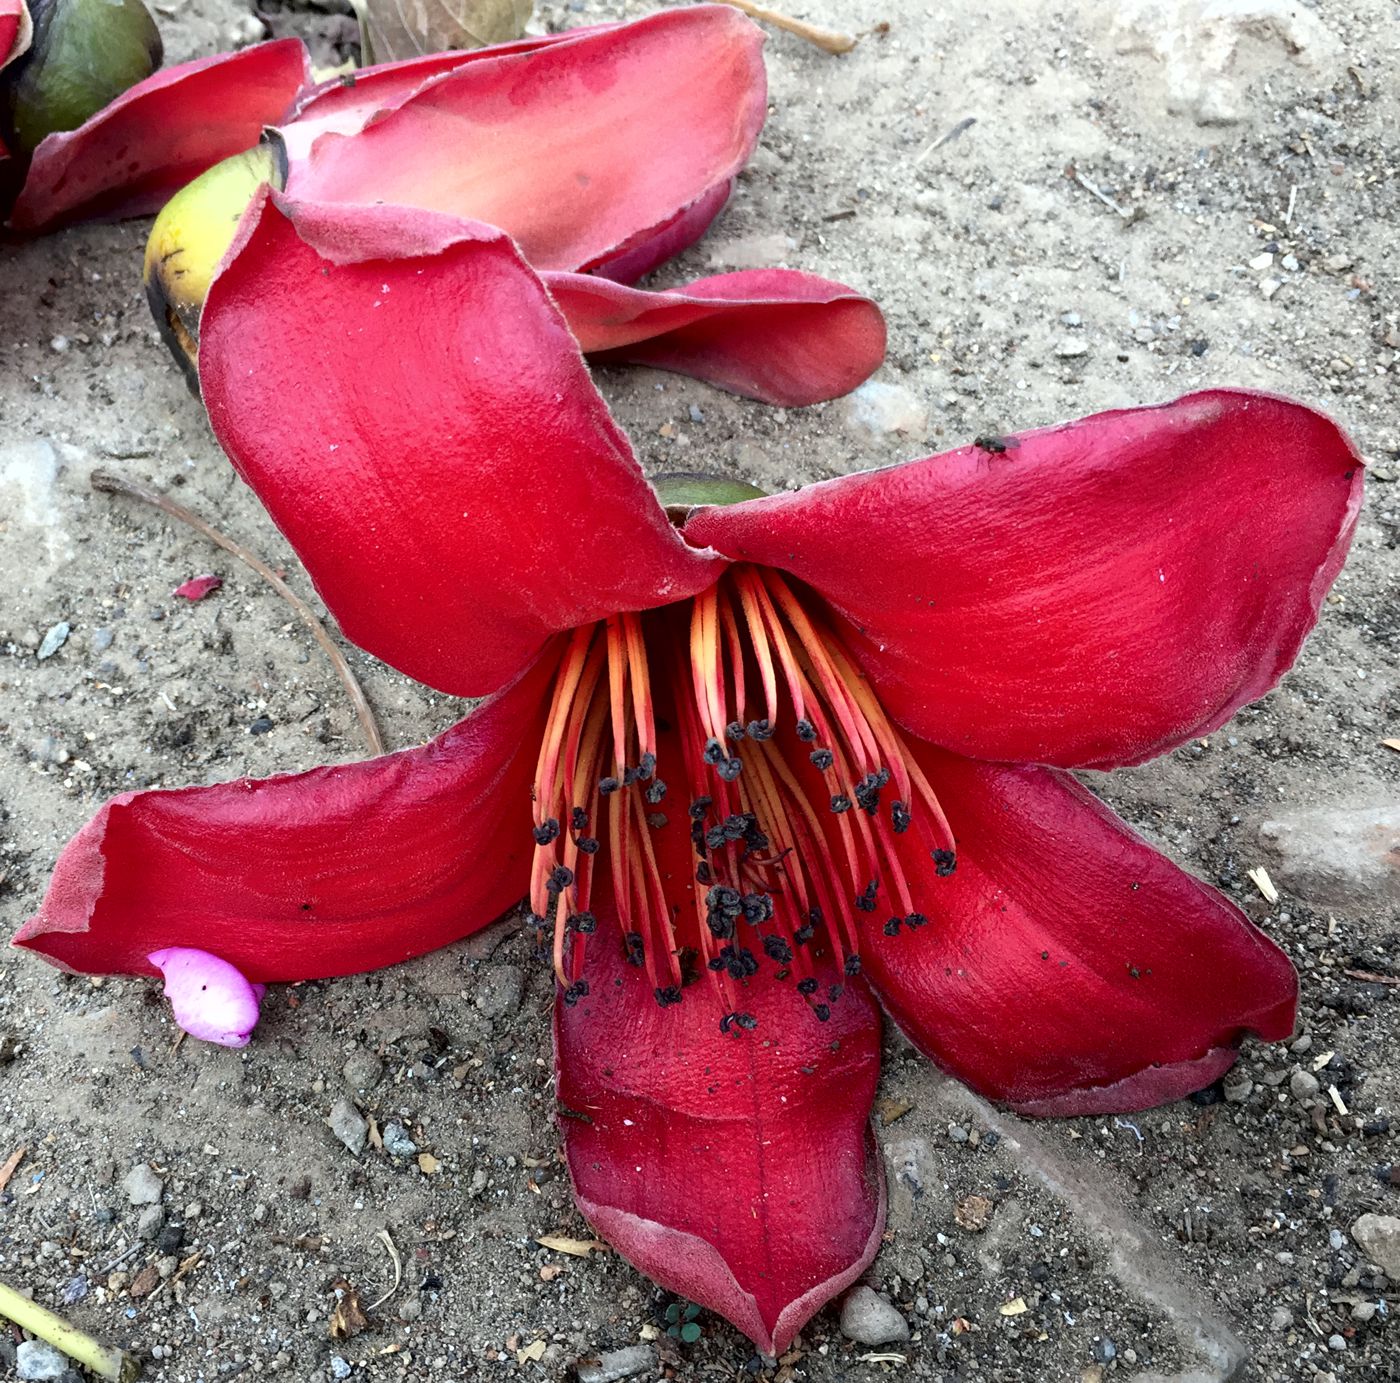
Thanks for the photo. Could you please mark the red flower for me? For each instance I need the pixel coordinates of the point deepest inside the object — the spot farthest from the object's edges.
(603, 151)
(861, 698)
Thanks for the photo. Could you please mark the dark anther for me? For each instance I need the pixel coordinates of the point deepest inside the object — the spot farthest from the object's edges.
(656, 820)
(853, 965)
(725, 1023)
(746, 1021)
(867, 791)
(578, 820)
(758, 907)
(742, 964)
(656, 792)
(723, 908)
(634, 950)
(730, 769)
(583, 922)
(646, 766)
(734, 731)
(804, 933)
(822, 759)
(760, 729)
(575, 992)
(702, 872)
(944, 862)
(806, 731)
(714, 837)
(699, 807)
(670, 994)
(840, 803)
(822, 1012)
(892, 926)
(835, 992)
(719, 962)
(775, 948)
(546, 832)
(754, 839)
(608, 785)
(630, 776)
(899, 811)
(815, 916)
(915, 920)
(534, 920)
(736, 827)
(807, 987)
(866, 901)
(714, 752)
(561, 876)
(587, 845)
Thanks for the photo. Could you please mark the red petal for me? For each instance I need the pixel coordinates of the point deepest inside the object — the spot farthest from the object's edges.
(1067, 967)
(1097, 594)
(738, 1172)
(642, 253)
(133, 154)
(414, 413)
(322, 873)
(347, 104)
(784, 337)
(197, 587)
(578, 149)
(15, 31)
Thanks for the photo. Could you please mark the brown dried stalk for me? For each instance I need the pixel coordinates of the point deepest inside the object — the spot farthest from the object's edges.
(111, 484)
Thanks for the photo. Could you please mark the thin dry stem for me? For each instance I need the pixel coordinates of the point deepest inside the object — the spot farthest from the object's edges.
(119, 485)
(103, 1360)
(828, 40)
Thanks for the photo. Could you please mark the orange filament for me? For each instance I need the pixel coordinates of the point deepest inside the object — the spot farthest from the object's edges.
(781, 837)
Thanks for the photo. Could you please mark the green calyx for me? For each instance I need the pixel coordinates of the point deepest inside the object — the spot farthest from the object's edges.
(682, 491)
(85, 53)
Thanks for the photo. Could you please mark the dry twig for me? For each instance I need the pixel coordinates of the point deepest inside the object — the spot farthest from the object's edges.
(119, 485)
(828, 40)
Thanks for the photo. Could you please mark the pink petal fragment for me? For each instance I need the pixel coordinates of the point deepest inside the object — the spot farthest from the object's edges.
(197, 587)
(209, 997)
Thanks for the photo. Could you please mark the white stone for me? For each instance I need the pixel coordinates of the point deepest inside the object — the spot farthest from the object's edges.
(1378, 1236)
(36, 1360)
(879, 408)
(869, 1318)
(1339, 857)
(1212, 51)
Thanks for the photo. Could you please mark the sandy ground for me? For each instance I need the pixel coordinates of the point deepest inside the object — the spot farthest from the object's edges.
(1245, 234)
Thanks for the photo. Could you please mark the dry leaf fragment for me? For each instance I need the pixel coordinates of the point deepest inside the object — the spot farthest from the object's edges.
(428, 1164)
(973, 1212)
(348, 1318)
(393, 29)
(579, 1248)
(551, 1270)
(1392, 744)
(1014, 1308)
(145, 1282)
(532, 1353)
(11, 1162)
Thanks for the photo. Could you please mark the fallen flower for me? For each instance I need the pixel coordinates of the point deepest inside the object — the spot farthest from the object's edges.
(209, 998)
(197, 587)
(603, 151)
(762, 772)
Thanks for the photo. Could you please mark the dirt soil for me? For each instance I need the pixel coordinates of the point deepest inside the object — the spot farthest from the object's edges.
(1150, 200)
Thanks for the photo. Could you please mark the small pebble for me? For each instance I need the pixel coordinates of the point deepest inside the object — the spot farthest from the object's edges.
(1303, 1084)
(1336, 1342)
(1104, 1350)
(397, 1142)
(869, 1318)
(348, 1125)
(363, 1071)
(36, 1360)
(151, 1223)
(1281, 1319)
(53, 640)
(142, 1185)
(615, 1364)
(340, 1368)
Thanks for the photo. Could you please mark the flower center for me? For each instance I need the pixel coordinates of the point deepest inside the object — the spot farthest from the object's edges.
(796, 788)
